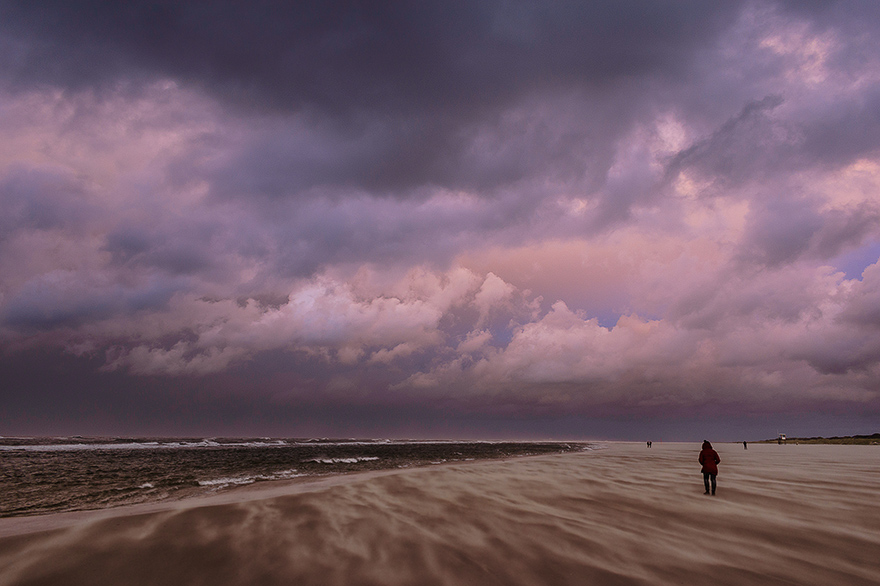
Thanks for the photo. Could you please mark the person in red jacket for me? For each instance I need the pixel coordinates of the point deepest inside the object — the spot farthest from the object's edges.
(709, 459)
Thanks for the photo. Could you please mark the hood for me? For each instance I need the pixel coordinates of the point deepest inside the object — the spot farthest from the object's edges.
(707, 445)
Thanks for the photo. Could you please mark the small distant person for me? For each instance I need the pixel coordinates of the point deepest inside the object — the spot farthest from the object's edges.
(745, 445)
(709, 459)
(649, 444)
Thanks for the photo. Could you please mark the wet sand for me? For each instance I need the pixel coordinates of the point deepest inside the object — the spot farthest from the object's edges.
(621, 515)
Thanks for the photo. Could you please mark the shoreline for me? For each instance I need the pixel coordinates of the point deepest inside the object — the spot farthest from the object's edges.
(45, 478)
(44, 522)
(267, 489)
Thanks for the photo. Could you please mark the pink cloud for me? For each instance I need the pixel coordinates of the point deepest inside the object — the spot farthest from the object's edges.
(659, 227)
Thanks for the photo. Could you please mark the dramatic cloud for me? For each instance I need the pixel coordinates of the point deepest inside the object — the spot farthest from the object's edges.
(508, 217)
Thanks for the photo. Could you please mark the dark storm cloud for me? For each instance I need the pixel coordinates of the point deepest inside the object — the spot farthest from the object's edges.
(857, 15)
(845, 129)
(394, 96)
(41, 199)
(63, 299)
(782, 231)
(841, 231)
(739, 149)
(402, 89)
(344, 56)
(177, 248)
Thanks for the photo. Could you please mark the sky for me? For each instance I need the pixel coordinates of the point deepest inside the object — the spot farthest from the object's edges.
(613, 219)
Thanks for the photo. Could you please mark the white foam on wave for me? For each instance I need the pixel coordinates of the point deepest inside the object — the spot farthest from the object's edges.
(152, 445)
(79, 447)
(343, 460)
(260, 444)
(218, 483)
(212, 443)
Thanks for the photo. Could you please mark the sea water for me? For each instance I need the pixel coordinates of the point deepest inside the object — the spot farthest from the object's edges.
(46, 475)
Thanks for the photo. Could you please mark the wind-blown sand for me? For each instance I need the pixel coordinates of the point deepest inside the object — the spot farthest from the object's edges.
(622, 515)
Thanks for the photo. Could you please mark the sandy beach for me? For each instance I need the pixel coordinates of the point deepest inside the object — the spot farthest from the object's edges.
(623, 514)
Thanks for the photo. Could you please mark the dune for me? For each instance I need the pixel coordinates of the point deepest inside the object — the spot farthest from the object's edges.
(621, 515)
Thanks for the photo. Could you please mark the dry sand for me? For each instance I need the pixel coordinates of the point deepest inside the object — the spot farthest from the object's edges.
(622, 515)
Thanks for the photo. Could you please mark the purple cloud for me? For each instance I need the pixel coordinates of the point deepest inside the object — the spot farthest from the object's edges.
(620, 210)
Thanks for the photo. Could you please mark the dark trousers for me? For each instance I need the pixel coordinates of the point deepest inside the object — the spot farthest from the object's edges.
(706, 477)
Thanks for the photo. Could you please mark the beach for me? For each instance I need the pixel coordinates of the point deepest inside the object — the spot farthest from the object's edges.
(621, 514)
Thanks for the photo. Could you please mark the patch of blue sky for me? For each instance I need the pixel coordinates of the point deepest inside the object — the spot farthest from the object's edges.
(854, 262)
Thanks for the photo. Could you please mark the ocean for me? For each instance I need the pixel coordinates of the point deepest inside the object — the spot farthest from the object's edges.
(49, 475)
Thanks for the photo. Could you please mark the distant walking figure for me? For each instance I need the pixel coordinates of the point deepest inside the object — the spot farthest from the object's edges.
(709, 459)
(649, 444)
(745, 446)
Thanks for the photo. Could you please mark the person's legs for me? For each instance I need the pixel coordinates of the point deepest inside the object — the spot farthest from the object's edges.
(706, 481)
(713, 483)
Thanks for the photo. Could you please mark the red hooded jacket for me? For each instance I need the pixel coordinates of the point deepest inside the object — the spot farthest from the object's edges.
(709, 459)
